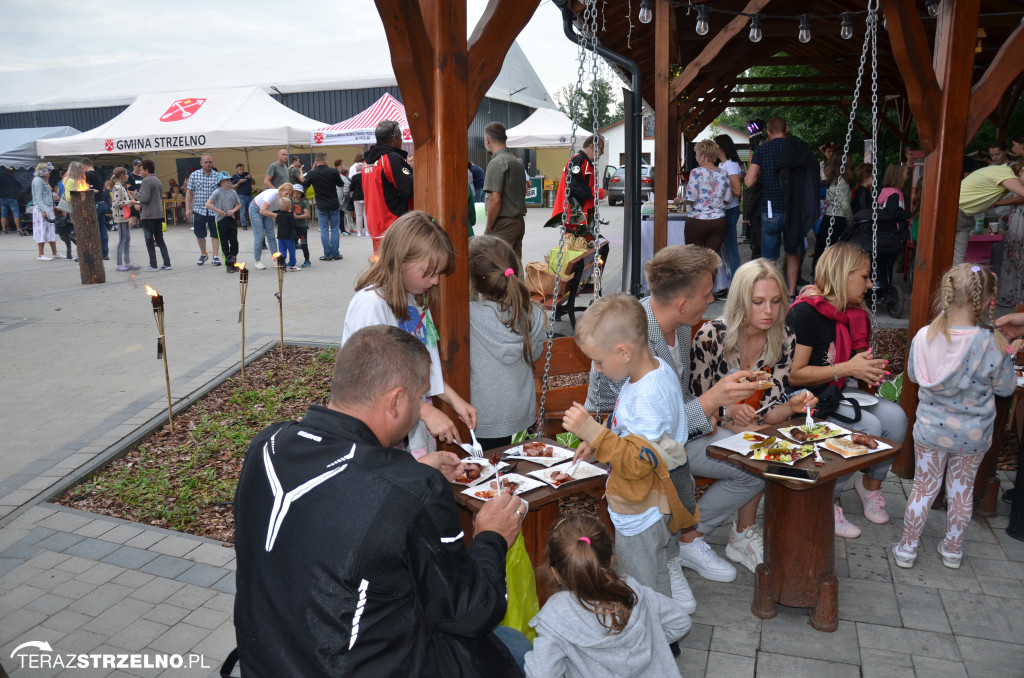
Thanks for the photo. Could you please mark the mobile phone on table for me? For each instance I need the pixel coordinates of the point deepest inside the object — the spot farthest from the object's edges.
(801, 475)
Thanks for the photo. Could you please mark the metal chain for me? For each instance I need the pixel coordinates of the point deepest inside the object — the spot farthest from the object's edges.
(575, 111)
(595, 106)
(873, 30)
(849, 130)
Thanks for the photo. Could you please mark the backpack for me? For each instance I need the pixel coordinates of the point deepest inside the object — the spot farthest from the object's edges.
(892, 233)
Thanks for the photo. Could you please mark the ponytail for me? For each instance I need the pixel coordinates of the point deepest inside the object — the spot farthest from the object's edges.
(494, 272)
(580, 553)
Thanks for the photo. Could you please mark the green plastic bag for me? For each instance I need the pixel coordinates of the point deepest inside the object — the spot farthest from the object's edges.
(522, 589)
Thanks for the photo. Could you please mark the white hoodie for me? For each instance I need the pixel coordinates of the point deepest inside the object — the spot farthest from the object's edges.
(959, 378)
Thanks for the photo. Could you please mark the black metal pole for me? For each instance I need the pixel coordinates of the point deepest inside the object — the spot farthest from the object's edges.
(631, 227)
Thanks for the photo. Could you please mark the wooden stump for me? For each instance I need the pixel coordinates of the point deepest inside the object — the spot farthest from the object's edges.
(87, 235)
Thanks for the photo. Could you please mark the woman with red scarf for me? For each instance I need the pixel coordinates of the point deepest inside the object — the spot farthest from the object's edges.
(833, 344)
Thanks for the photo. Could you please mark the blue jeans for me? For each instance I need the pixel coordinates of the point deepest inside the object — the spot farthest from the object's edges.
(773, 230)
(101, 217)
(287, 248)
(732, 248)
(261, 226)
(516, 643)
(330, 231)
(243, 212)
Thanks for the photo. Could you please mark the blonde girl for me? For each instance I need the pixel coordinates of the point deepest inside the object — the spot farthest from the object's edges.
(43, 230)
(598, 624)
(121, 212)
(398, 289)
(961, 364)
(506, 332)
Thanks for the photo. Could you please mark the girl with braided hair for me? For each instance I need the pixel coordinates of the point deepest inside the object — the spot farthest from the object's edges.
(961, 363)
(599, 624)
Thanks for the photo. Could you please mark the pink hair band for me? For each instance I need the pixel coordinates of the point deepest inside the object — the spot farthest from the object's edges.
(509, 272)
(586, 539)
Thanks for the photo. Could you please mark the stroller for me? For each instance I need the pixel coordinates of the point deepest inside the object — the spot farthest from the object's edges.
(65, 230)
(893, 234)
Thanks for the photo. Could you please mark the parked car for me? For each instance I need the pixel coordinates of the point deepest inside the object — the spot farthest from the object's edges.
(616, 190)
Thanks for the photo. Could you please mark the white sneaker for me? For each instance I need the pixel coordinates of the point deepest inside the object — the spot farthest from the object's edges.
(43, 257)
(845, 528)
(746, 548)
(681, 592)
(904, 559)
(951, 560)
(874, 502)
(699, 557)
(259, 265)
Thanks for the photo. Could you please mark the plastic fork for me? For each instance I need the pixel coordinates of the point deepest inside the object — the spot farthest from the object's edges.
(478, 449)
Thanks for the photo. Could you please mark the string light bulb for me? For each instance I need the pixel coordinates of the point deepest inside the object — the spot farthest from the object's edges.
(804, 35)
(755, 28)
(932, 6)
(646, 11)
(702, 20)
(846, 30)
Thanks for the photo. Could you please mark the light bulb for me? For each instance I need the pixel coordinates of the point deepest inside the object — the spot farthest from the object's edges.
(646, 11)
(933, 7)
(702, 20)
(805, 29)
(755, 28)
(846, 30)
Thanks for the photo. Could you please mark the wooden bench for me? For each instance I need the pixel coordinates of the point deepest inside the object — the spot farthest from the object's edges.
(577, 271)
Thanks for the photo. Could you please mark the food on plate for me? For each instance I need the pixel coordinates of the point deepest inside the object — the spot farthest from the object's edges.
(846, 447)
(862, 439)
(818, 431)
(782, 452)
(558, 478)
(797, 434)
(472, 472)
(507, 485)
(535, 449)
(485, 494)
(753, 437)
(765, 442)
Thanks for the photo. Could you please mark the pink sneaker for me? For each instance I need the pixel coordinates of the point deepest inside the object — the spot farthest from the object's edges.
(844, 528)
(874, 502)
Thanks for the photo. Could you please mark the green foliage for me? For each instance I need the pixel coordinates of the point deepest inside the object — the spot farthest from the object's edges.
(520, 437)
(568, 440)
(892, 389)
(578, 103)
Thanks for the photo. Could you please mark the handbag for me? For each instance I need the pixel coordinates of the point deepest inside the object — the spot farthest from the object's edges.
(64, 205)
(523, 604)
(829, 400)
(539, 280)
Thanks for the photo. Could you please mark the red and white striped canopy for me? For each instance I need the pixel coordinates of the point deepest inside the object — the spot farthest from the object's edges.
(359, 129)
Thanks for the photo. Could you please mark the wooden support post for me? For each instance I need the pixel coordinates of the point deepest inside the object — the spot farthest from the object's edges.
(87, 235)
(953, 64)
(664, 172)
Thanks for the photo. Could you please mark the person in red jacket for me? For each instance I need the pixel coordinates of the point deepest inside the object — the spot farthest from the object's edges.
(580, 171)
(387, 180)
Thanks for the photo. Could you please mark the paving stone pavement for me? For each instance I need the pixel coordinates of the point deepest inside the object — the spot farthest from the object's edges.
(97, 585)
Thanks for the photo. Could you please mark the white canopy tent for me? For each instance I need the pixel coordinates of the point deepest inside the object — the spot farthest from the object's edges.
(18, 146)
(240, 117)
(546, 128)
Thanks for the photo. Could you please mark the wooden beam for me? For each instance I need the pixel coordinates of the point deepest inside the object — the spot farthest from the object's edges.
(954, 62)
(1004, 69)
(714, 47)
(501, 22)
(796, 80)
(915, 64)
(785, 104)
(664, 172)
(783, 93)
(410, 47)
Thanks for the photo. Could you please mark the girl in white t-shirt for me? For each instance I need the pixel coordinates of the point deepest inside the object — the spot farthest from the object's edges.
(397, 290)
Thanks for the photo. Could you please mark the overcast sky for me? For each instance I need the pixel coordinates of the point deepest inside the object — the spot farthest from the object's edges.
(49, 33)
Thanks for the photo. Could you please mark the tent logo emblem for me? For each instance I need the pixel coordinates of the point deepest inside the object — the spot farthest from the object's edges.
(318, 138)
(406, 135)
(181, 109)
(109, 145)
(561, 139)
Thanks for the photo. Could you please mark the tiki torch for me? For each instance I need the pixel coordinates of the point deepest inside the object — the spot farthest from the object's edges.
(161, 349)
(280, 293)
(243, 287)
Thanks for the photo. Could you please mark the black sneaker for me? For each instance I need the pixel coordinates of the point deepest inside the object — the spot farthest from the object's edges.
(202, 260)
(216, 261)
(165, 267)
(338, 258)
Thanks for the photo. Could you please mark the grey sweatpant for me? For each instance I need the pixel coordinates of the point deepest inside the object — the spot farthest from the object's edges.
(732, 488)
(645, 556)
(123, 243)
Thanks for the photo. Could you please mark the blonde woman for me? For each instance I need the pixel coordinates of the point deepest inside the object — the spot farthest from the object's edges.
(43, 230)
(707, 191)
(752, 335)
(833, 344)
(121, 206)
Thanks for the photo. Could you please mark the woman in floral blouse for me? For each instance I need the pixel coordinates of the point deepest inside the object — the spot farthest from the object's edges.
(707, 191)
(752, 335)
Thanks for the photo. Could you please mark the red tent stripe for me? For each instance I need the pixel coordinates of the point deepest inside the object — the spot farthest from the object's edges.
(385, 108)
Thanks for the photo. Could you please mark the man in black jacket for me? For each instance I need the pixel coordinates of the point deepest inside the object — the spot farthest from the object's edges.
(387, 180)
(325, 181)
(351, 557)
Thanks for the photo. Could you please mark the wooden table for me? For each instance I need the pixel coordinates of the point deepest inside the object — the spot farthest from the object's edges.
(543, 513)
(799, 533)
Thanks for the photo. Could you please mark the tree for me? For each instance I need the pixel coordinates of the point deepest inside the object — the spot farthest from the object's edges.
(578, 103)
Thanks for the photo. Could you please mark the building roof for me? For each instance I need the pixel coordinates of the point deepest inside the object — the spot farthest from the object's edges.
(118, 84)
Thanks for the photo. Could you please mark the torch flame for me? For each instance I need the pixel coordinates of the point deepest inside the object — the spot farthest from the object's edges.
(277, 255)
(240, 266)
(151, 292)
